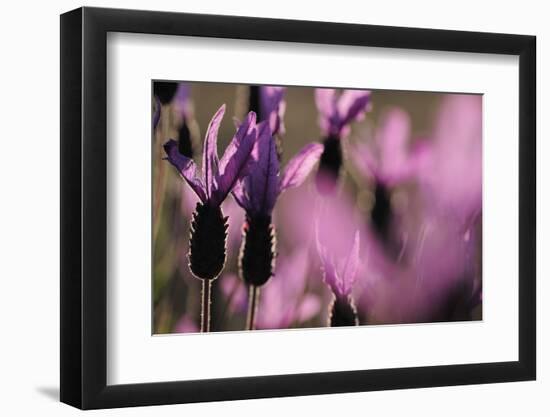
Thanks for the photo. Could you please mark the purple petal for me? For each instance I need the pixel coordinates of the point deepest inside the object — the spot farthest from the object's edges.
(337, 235)
(329, 272)
(350, 269)
(240, 194)
(299, 167)
(181, 99)
(325, 99)
(263, 179)
(352, 105)
(244, 129)
(234, 162)
(186, 167)
(210, 152)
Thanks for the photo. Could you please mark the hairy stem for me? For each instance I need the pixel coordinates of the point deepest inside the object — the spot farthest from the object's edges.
(205, 305)
(253, 295)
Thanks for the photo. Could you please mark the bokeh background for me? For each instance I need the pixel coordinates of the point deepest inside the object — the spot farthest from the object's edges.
(390, 288)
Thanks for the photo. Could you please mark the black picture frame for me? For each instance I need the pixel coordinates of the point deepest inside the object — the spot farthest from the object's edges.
(84, 207)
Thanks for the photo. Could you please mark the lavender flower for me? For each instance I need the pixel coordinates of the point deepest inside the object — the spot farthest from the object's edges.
(389, 162)
(336, 113)
(441, 279)
(257, 194)
(339, 274)
(207, 247)
(269, 105)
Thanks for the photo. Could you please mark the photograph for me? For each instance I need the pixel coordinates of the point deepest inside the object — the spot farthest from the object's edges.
(299, 207)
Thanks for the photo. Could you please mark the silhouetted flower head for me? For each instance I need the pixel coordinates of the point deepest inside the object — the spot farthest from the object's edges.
(257, 194)
(207, 243)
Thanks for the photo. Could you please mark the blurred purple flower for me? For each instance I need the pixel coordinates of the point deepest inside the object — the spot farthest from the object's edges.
(218, 176)
(439, 283)
(441, 277)
(186, 325)
(340, 273)
(336, 112)
(453, 178)
(284, 299)
(389, 159)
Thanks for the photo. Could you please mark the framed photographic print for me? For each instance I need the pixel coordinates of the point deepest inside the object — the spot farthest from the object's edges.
(258, 208)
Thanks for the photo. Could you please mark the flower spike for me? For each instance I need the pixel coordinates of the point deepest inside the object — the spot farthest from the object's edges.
(257, 194)
(336, 113)
(208, 235)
